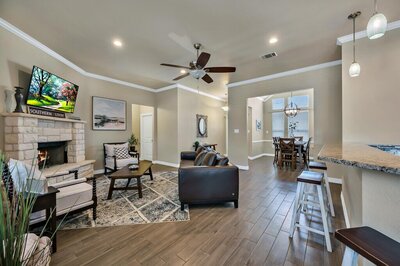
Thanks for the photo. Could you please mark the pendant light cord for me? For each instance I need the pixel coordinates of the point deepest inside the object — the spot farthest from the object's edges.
(376, 6)
(354, 39)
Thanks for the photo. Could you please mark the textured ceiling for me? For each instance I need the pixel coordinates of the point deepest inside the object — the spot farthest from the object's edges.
(235, 32)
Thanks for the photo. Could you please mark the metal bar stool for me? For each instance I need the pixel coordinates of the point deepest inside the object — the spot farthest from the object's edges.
(322, 167)
(311, 179)
(369, 243)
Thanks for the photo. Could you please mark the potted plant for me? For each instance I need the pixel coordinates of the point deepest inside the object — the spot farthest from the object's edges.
(17, 245)
(292, 127)
(196, 145)
(133, 141)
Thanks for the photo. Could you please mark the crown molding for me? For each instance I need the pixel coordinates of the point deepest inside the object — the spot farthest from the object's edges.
(189, 89)
(29, 39)
(285, 73)
(363, 34)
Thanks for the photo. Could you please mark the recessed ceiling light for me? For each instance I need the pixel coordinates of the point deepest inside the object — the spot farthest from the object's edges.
(183, 71)
(273, 40)
(117, 43)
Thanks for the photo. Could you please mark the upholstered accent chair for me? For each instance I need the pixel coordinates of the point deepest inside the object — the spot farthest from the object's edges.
(75, 194)
(117, 155)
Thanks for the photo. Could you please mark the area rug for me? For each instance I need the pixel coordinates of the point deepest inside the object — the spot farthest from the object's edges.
(159, 203)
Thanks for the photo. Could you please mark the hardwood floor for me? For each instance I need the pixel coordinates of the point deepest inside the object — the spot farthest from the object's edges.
(254, 234)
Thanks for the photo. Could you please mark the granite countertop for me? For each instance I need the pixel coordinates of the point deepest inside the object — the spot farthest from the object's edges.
(362, 156)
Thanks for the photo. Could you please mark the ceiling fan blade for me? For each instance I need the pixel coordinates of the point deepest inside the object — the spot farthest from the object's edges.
(182, 76)
(220, 69)
(203, 59)
(207, 78)
(170, 65)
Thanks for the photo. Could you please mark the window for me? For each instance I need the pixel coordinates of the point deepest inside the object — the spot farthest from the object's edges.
(278, 124)
(278, 104)
(302, 124)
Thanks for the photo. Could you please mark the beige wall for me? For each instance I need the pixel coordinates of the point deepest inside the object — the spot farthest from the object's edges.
(370, 101)
(257, 137)
(327, 107)
(16, 60)
(167, 124)
(190, 104)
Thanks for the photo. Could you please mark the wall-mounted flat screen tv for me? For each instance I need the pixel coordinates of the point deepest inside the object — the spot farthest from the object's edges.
(49, 91)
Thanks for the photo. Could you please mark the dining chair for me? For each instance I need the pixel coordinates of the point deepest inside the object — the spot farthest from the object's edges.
(275, 142)
(298, 138)
(306, 153)
(288, 152)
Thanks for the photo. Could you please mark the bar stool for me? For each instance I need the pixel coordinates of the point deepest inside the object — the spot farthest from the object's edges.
(369, 243)
(311, 179)
(322, 167)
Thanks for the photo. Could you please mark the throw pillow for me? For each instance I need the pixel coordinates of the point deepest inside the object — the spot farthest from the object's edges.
(209, 159)
(223, 161)
(199, 149)
(199, 158)
(110, 148)
(121, 153)
(22, 173)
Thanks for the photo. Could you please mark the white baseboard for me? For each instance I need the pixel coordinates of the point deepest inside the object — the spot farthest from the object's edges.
(243, 167)
(335, 180)
(176, 165)
(346, 215)
(260, 155)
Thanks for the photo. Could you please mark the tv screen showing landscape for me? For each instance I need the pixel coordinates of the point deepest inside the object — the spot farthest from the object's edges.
(49, 91)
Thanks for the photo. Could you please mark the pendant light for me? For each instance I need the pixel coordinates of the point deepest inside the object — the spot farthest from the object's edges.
(355, 69)
(291, 109)
(377, 24)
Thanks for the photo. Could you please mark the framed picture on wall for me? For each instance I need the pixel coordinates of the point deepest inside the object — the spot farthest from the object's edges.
(201, 121)
(108, 114)
(258, 125)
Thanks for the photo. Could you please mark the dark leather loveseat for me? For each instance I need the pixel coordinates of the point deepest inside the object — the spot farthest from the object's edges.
(207, 183)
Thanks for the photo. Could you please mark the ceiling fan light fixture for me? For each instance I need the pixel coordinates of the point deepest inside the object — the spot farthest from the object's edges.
(377, 24)
(198, 73)
(183, 71)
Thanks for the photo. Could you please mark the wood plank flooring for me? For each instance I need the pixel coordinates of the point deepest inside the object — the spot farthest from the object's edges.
(254, 234)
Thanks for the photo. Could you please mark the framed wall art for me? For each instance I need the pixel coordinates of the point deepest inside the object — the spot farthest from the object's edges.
(108, 114)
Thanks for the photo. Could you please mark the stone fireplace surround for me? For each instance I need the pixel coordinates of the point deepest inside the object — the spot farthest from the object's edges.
(23, 132)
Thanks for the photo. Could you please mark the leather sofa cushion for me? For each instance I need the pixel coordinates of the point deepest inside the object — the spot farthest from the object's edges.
(199, 158)
(209, 159)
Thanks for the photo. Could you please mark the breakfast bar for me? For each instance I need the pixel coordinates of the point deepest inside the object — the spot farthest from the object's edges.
(370, 184)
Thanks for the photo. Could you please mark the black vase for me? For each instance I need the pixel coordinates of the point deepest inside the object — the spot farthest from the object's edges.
(19, 97)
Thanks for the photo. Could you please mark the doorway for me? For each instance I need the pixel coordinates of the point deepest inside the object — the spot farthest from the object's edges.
(143, 130)
(146, 136)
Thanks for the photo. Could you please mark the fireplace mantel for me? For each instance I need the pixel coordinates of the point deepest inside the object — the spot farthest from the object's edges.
(42, 117)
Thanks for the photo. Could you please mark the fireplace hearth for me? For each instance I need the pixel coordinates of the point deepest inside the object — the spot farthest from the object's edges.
(52, 153)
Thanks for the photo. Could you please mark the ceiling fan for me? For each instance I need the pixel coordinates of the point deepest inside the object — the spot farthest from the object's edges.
(197, 67)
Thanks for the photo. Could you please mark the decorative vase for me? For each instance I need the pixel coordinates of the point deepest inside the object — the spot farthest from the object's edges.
(9, 100)
(19, 97)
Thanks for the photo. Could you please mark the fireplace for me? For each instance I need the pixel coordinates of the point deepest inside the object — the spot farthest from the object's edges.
(52, 153)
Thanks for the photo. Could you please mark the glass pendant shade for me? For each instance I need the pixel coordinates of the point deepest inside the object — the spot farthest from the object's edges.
(291, 110)
(377, 26)
(354, 70)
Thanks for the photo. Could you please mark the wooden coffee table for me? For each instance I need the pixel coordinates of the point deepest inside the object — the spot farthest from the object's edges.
(126, 173)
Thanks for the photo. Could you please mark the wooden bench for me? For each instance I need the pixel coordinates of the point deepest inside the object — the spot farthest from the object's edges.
(369, 243)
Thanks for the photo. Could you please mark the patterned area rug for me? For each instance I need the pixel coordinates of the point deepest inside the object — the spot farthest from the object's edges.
(160, 203)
